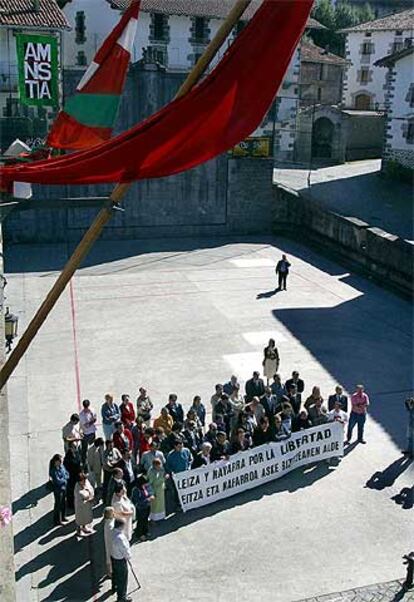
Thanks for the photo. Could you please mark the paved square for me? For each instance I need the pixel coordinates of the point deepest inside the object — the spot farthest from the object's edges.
(180, 316)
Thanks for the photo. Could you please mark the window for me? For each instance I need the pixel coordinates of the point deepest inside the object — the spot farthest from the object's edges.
(319, 96)
(80, 27)
(81, 58)
(367, 48)
(410, 96)
(322, 72)
(397, 46)
(410, 132)
(364, 76)
(160, 30)
(200, 26)
(363, 102)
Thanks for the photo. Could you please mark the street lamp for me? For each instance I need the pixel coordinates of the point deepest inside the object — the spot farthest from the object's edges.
(10, 327)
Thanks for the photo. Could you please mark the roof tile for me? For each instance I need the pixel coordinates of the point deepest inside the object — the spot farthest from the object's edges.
(22, 13)
(398, 21)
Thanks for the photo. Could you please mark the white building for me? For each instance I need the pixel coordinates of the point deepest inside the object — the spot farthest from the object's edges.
(366, 43)
(176, 32)
(399, 104)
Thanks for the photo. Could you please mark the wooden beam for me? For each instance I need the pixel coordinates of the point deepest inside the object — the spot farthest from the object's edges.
(106, 213)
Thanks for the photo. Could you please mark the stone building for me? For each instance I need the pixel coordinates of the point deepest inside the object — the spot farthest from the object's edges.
(321, 74)
(364, 81)
(27, 16)
(399, 105)
(331, 135)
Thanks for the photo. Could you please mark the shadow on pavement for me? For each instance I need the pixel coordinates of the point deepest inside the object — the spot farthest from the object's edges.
(269, 294)
(84, 559)
(30, 499)
(297, 479)
(405, 498)
(387, 477)
(353, 342)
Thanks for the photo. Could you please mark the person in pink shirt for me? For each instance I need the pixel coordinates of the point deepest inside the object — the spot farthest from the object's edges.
(359, 408)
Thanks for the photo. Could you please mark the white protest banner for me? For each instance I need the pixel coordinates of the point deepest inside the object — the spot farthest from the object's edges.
(257, 466)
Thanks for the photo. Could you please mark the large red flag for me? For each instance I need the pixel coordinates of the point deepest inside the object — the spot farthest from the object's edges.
(215, 116)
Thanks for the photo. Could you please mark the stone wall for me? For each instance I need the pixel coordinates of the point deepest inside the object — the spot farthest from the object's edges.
(7, 586)
(384, 256)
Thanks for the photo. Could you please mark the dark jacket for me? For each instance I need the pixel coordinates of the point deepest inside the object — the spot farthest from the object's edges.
(298, 424)
(192, 440)
(198, 461)
(342, 398)
(176, 411)
(60, 478)
(295, 402)
(300, 385)
(280, 265)
(219, 451)
(270, 411)
(261, 437)
(140, 497)
(254, 388)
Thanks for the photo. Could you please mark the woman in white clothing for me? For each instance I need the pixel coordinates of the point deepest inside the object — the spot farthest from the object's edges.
(123, 508)
(84, 496)
(270, 360)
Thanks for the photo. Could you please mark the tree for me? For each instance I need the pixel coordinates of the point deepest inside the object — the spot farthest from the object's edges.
(335, 18)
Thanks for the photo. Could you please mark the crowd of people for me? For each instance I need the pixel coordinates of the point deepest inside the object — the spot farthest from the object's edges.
(130, 468)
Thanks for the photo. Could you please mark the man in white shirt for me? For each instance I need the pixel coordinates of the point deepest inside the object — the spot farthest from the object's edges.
(120, 554)
(337, 414)
(71, 432)
(87, 423)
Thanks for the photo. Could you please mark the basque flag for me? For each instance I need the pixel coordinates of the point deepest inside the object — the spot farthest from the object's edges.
(89, 116)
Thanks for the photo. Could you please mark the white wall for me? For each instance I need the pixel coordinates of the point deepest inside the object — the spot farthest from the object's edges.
(400, 107)
(383, 45)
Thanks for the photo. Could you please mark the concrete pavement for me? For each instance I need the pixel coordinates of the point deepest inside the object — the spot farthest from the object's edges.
(180, 316)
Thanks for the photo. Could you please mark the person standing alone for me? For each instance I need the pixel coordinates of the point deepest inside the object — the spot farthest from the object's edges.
(282, 270)
(359, 408)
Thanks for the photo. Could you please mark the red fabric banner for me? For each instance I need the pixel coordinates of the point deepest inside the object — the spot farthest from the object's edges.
(215, 116)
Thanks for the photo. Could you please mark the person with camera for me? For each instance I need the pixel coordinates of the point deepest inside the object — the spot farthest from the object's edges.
(359, 410)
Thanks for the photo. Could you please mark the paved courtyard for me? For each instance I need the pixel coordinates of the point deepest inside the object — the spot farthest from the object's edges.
(179, 316)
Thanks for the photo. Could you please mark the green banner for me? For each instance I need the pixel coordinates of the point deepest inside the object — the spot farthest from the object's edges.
(38, 68)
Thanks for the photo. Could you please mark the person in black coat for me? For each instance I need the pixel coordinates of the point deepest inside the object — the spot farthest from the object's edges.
(301, 422)
(191, 436)
(294, 398)
(221, 449)
(254, 387)
(203, 457)
(175, 409)
(241, 441)
(282, 270)
(270, 403)
(262, 434)
(339, 396)
(73, 464)
(224, 408)
(296, 381)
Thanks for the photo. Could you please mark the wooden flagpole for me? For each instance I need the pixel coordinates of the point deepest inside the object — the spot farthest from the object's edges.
(105, 214)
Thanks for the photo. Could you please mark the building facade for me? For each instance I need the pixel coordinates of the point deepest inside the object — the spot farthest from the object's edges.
(174, 33)
(364, 81)
(399, 105)
(321, 75)
(29, 17)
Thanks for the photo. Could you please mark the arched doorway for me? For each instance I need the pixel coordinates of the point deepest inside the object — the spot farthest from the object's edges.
(322, 137)
(363, 102)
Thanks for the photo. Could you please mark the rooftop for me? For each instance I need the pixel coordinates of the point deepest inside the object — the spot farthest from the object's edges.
(311, 53)
(23, 13)
(199, 8)
(397, 21)
(391, 59)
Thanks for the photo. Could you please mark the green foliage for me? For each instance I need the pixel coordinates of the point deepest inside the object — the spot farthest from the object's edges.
(337, 17)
